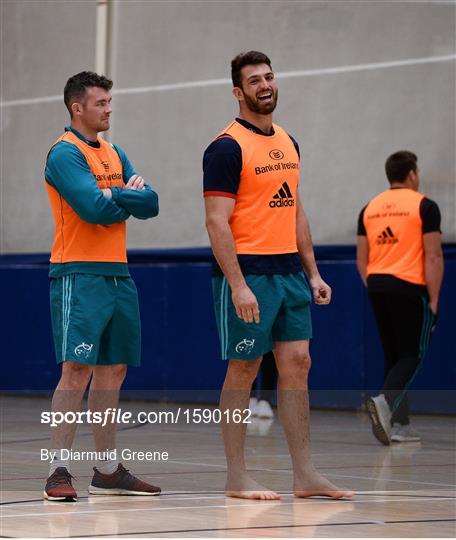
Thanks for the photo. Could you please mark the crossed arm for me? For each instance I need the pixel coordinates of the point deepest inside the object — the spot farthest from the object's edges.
(136, 197)
(68, 172)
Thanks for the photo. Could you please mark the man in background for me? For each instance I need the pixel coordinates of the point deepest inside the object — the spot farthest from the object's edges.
(93, 189)
(400, 260)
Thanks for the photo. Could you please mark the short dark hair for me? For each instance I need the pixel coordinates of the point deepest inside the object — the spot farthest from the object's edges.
(76, 86)
(250, 58)
(399, 164)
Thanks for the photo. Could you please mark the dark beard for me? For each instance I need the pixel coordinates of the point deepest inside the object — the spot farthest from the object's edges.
(260, 108)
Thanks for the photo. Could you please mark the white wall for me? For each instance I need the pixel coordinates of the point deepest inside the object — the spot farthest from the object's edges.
(347, 123)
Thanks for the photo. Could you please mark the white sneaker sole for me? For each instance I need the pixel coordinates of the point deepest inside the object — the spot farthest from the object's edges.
(62, 499)
(115, 491)
(400, 438)
(378, 429)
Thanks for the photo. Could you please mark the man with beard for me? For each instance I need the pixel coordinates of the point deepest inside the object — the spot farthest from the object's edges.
(261, 241)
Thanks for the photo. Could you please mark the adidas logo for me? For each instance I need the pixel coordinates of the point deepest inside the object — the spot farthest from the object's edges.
(387, 237)
(282, 198)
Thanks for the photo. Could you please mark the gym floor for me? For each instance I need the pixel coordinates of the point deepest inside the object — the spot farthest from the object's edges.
(404, 490)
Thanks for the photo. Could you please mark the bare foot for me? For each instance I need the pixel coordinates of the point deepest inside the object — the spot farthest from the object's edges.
(245, 487)
(313, 484)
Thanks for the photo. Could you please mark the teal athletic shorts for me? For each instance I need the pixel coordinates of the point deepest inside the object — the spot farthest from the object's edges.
(284, 302)
(95, 320)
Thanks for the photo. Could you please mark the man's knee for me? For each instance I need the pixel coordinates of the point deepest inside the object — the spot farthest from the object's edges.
(112, 375)
(243, 371)
(75, 374)
(304, 361)
(119, 372)
(297, 364)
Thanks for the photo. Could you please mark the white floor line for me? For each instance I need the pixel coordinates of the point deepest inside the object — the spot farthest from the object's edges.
(180, 462)
(25, 452)
(453, 486)
(404, 492)
(423, 451)
(125, 500)
(188, 460)
(376, 478)
(208, 507)
(225, 81)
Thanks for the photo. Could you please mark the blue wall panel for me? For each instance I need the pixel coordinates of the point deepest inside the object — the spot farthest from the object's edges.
(180, 348)
(27, 347)
(336, 348)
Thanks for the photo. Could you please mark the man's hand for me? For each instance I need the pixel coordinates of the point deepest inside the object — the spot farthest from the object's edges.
(107, 193)
(135, 183)
(321, 291)
(434, 306)
(246, 305)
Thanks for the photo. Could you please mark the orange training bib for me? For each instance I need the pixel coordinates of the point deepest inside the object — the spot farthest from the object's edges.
(76, 239)
(394, 232)
(264, 217)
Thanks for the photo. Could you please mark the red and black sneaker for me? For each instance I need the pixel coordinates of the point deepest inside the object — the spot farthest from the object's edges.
(120, 482)
(59, 486)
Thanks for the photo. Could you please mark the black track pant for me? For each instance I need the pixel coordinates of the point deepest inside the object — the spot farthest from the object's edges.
(404, 323)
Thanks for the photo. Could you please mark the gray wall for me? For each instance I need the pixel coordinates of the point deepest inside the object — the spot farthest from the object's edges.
(346, 123)
(42, 43)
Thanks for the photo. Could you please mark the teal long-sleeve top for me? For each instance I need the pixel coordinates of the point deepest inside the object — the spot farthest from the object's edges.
(69, 173)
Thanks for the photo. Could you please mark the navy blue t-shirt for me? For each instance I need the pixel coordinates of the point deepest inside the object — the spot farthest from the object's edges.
(222, 165)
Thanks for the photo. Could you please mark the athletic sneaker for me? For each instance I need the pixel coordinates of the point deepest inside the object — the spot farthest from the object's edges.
(264, 410)
(380, 415)
(120, 482)
(253, 404)
(400, 433)
(59, 486)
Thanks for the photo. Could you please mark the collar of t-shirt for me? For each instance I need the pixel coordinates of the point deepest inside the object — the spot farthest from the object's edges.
(253, 128)
(93, 144)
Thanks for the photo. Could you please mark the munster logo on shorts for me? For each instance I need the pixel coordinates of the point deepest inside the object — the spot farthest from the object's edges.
(83, 350)
(282, 198)
(245, 346)
(387, 237)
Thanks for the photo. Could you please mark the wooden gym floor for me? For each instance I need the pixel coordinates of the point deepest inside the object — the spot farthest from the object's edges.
(405, 490)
